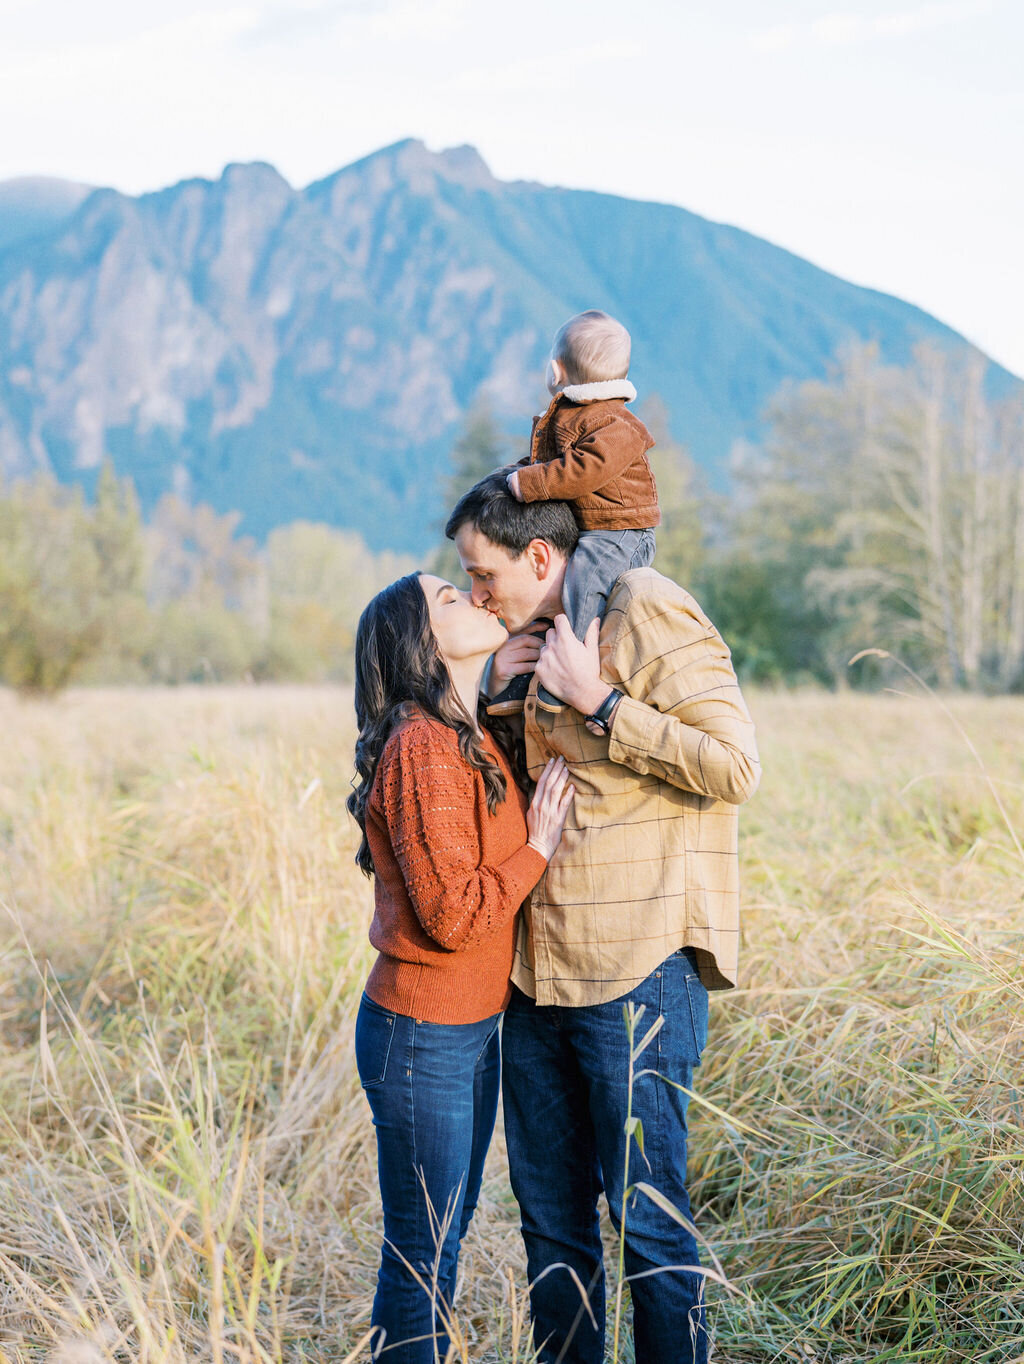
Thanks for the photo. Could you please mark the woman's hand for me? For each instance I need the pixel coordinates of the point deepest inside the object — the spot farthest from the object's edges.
(545, 818)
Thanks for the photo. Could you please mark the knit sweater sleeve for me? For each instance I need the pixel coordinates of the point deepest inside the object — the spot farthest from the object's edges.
(430, 804)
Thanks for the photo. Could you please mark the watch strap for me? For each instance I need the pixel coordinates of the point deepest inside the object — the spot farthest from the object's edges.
(603, 715)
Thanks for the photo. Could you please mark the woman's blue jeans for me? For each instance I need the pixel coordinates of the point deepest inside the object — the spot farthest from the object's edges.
(433, 1091)
(566, 1089)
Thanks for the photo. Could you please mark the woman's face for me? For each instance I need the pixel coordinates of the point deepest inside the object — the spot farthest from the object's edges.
(461, 629)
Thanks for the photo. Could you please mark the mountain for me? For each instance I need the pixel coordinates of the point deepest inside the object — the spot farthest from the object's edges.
(312, 353)
(34, 205)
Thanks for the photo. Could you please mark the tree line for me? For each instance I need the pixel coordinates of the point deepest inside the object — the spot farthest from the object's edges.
(883, 510)
(91, 593)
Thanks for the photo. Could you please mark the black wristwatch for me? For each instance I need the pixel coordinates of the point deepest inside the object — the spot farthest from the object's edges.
(602, 717)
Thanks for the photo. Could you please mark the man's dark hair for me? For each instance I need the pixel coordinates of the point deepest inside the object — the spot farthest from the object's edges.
(492, 510)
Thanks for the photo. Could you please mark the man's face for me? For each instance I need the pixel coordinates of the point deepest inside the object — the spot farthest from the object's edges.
(517, 590)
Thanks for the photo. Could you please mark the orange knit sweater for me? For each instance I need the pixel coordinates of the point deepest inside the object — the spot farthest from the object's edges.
(448, 878)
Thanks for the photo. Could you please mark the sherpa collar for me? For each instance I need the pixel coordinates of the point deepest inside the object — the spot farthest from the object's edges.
(595, 393)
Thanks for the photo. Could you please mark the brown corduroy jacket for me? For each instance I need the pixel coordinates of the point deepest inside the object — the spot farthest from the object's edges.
(591, 451)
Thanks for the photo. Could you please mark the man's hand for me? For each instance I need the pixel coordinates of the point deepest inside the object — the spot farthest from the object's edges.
(516, 656)
(570, 668)
(512, 480)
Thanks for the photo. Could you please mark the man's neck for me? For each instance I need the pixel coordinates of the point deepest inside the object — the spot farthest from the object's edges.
(552, 605)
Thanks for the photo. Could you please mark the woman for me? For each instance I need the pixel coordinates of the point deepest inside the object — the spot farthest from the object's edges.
(454, 850)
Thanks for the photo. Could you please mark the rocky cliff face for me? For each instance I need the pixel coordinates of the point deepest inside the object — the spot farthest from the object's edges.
(312, 353)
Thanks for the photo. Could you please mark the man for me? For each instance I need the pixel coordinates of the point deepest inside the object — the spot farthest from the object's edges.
(638, 906)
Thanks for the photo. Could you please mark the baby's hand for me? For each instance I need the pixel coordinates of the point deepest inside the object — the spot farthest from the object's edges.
(512, 480)
(516, 657)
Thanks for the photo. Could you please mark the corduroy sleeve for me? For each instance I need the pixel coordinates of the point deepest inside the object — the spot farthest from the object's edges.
(597, 456)
(683, 716)
(431, 801)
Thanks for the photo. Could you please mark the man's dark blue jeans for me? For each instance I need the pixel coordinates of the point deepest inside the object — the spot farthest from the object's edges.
(433, 1091)
(565, 1087)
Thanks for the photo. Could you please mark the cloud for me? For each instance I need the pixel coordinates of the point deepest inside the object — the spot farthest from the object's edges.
(843, 29)
(531, 74)
(47, 54)
(357, 20)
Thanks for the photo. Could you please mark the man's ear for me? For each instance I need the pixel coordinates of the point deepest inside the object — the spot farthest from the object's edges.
(539, 557)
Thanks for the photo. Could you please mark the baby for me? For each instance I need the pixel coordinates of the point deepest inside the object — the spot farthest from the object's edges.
(589, 450)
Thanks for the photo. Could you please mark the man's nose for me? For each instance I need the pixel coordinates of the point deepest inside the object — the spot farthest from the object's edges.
(478, 594)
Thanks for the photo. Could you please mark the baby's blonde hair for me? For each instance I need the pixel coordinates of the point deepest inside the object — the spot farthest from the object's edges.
(591, 347)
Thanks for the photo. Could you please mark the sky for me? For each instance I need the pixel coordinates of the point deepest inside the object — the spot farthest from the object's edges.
(882, 141)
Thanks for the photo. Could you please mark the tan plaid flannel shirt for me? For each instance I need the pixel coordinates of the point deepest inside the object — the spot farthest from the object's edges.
(648, 860)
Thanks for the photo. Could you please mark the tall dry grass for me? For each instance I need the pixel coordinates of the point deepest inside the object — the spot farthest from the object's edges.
(187, 1160)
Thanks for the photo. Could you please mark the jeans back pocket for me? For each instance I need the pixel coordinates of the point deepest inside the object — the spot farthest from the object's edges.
(375, 1030)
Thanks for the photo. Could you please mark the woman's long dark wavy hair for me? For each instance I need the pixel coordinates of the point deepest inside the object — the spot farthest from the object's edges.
(399, 669)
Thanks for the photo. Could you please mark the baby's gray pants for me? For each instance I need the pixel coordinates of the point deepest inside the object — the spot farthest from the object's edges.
(598, 559)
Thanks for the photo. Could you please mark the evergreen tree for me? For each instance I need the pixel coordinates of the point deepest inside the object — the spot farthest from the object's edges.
(480, 448)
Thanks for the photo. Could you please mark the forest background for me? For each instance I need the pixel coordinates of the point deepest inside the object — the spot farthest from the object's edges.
(884, 510)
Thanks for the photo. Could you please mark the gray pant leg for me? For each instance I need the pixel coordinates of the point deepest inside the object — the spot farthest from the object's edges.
(599, 558)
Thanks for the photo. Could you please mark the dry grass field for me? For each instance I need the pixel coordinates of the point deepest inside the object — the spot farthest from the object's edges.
(186, 1159)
